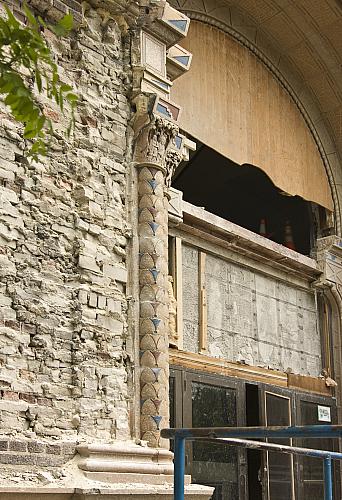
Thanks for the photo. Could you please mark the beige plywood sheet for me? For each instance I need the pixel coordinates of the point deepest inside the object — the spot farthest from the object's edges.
(232, 103)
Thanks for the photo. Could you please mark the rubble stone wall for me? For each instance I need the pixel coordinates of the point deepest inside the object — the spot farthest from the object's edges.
(64, 366)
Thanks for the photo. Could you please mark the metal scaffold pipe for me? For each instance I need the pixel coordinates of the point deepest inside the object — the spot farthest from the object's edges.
(233, 435)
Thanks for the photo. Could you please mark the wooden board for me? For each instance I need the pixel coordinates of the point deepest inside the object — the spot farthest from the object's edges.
(208, 364)
(232, 103)
(308, 384)
(219, 366)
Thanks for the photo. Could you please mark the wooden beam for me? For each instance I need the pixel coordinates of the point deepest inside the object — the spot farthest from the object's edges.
(205, 363)
(218, 366)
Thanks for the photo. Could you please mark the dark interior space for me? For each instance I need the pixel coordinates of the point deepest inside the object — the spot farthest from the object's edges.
(245, 195)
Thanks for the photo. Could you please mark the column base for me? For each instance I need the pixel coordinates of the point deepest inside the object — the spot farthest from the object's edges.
(134, 471)
(118, 471)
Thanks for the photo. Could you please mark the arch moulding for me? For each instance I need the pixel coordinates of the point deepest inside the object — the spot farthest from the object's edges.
(319, 138)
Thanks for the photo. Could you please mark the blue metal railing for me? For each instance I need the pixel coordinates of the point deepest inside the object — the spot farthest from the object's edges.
(237, 434)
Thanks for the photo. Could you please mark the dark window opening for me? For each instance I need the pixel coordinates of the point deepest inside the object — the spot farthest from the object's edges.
(245, 195)
(254, 457)
(279, 465)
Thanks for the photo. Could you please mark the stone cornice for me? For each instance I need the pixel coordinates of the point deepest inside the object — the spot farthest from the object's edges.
(243, 241)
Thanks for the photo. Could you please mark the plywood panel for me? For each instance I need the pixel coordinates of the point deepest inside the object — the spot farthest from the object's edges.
(232, 103)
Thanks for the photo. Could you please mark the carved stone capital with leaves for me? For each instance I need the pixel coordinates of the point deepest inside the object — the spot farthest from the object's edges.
(154, 144)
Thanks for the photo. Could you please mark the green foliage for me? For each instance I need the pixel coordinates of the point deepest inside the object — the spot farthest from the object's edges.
(24, 55)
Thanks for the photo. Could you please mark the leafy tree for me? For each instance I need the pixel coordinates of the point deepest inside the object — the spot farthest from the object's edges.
(26, 58)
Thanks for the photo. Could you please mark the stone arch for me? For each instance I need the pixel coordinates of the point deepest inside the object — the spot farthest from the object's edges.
(322, 137)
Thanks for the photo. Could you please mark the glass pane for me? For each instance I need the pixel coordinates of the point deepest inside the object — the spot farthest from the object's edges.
(279, 464)
(172, 401)
(215, 464)
(313, 486)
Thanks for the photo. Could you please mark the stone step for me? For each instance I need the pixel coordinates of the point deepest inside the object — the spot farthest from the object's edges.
(120, 492)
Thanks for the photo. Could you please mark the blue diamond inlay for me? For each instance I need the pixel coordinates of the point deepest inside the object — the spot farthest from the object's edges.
(153, 183)
(163, 110)
(156, 322)
(162, 84)
(154, 226)
(178, 141)
(157, 419)
(156, 371)
(154, 273)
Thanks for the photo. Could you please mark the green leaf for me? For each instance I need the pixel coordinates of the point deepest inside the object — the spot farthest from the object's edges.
(6, 87)
(67, 22)
(40, 123)
(30, 17)
(42, 22)
(6, 30)
(30, 134)
(11, 98)
(11, 19)
(25, 46)
(64, 26)
(38, 80)
(72, 98)
(65, 88)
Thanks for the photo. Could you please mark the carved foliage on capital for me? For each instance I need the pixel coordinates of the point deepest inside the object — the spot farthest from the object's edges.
(155, 144)
(173, 159)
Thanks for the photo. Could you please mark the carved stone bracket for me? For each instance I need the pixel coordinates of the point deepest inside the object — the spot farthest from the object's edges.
(329, 257)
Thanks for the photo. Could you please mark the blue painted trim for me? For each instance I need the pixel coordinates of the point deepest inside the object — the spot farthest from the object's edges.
(328, 482)
(309, 431)
(179, 24)
(182, 59)
(179, 468)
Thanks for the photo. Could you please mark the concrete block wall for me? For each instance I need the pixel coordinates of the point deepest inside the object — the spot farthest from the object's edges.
(64, 366)
(253, 318)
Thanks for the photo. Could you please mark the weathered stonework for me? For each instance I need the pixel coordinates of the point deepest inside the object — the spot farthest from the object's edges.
(65, 368)
(67, 349)
(84, 285)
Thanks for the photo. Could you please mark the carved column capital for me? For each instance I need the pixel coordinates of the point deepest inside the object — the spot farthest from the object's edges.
(155, 144)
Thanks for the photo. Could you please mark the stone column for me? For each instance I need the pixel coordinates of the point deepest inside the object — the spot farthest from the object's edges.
(154, 157)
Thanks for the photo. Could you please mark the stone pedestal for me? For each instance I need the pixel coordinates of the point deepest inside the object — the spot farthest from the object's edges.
(119, 471)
